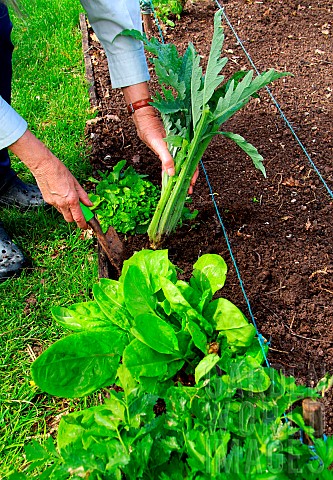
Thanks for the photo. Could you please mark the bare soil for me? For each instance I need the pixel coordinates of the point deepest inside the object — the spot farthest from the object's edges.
(280, 228)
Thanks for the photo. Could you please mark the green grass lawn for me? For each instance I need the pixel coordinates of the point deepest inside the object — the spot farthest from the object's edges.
(50, 92)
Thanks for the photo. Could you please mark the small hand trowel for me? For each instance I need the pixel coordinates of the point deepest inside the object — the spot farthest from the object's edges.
(110, 242)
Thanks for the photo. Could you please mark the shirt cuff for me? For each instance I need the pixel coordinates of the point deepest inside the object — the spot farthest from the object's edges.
(128, 68)
(12, 125)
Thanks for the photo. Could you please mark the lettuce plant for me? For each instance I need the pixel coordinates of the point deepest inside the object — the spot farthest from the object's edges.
(193, 107)
(124, 199)
(153, 322)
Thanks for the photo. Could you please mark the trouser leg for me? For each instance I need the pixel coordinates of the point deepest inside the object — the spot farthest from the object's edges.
(12, 190)
(6, 50)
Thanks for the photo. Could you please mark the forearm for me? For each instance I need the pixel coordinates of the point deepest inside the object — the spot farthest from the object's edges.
(33, 153)
(58, 186)
(136, 92)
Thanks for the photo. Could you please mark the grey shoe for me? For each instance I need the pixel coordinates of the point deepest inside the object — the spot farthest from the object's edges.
(11, 257)
(21, 195)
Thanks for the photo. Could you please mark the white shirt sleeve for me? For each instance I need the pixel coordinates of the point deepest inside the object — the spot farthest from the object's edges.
(12, 125)
(126, 58)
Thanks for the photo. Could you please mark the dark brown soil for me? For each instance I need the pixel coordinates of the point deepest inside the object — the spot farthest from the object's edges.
(280, 228)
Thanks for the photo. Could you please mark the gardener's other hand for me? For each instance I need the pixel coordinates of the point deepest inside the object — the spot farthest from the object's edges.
(57, 185)
(151, 131)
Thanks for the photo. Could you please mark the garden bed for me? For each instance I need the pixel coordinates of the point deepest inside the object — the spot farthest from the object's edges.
(279, 228)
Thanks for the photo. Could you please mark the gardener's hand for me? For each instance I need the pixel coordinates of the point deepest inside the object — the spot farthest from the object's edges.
(57, 185)
(151, 131)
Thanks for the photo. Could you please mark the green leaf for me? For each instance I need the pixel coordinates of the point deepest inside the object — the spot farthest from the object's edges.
(257, 350)
(111, 415)
(17, 476)
(79, 364)
(116, 404)
(215, 63)
(118, 168)
(150, 384)
(81, 316)
(126, 381)
(153, 264)
(196, 91)
(141, 411)
(167, 107)
(249, 149)
(248, 375)
(156, 333)
(198, 337)
(173, 368)
(296, 417)
(174, 140)
(193, 296)
(35, 451)
(240, 96)
(142, 360)
(138, 293)
(231, 322)
(175, 296)
(205, 366)
(232, 100)
(134, 34)
(324, 449)
(140, 457)
(180, 305)
(85, 426)
(324, 384)
(209, 273)
(109, 296)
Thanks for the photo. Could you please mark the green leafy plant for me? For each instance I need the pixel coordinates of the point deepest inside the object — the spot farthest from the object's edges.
(193, 107)
(124, 199)
(192, 398)
(169, 8)
(154, 322)
(221, 428)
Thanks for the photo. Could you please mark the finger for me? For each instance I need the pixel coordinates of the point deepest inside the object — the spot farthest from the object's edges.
(193, 180)
(167, 161)
(66, 213)
(160, 148)
(77, 215)
(83, 196)
(195, 177)
(80, 222)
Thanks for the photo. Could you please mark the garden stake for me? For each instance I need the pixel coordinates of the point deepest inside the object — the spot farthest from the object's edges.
(313, 416)
(110, 243)
(146, 13)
